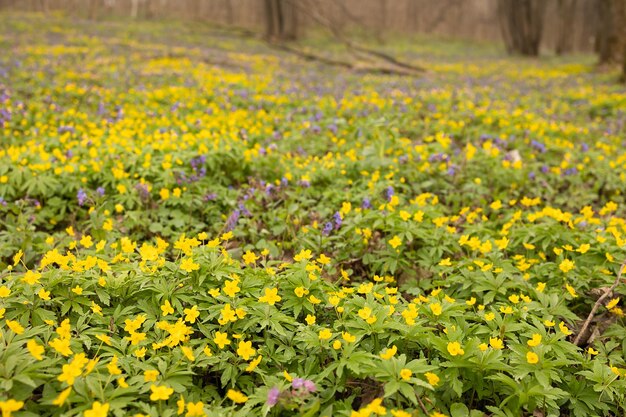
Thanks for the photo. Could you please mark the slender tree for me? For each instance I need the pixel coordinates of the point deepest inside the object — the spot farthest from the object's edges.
(565, 24)
(521, 23)
(281, 20)
(611, 30)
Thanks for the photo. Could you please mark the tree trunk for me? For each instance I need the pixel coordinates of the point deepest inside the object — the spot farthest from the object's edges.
(611, 31)
(281, 20)
(521, 23)
(565, 41)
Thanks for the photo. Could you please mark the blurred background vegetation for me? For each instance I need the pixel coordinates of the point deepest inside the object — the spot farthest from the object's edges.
(525, 27)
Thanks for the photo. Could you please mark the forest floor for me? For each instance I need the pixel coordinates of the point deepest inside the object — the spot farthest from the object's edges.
(195, 222)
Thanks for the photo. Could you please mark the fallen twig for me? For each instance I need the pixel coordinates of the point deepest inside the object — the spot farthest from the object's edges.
(596, 306)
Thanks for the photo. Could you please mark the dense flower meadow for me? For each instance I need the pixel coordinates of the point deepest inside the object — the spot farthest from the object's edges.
(193, 224)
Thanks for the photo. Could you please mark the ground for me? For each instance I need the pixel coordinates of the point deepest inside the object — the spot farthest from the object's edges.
(192, 222)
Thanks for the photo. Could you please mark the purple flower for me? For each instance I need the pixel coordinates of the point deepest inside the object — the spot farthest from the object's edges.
(272, 396)
(389, 193)
(100, 190)
(297, 383)
(309, 385)
(337, 219)
(366, 204)
(81, 196)
(328, 227)
(232, 220)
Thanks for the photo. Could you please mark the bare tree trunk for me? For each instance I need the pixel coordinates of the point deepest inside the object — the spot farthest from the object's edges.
(611, 31)
(565, 41)
(230, 19)
(521, 22)
(281, 20)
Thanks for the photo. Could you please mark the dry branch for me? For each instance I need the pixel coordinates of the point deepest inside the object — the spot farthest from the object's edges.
(578, 341)
(390, 65)
(358, 66)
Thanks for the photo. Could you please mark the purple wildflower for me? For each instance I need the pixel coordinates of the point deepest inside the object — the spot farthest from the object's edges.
(389, 193)
(272, 396)
(309, 385)
(297, 383)
(81, 196)
(366, 204)
(337, 219)
(232, 220)
(328, 227)
(100, 190)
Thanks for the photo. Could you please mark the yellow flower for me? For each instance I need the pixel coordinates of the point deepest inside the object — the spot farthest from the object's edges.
(395, 242)
(454, 349)
(301, 291)
(195, 409)
(535, 341)
(43, 294)
(496, 343)
(188, 265)
(15, 326)
(97, 410)
(252, 366)
(323, 259)
(612, 303)
(249, 258)
(17, 257)
(325, 334)
(236, 396)
(86, 241)
(432, 378)
(160, 392)
(61, 345)
(191, 314)
(113, 368)
(592, 351)
(221, 339)
(303, 255)
(445, 262)
(483, 347)
(167, 308)
(532, 358)
(31, 278)
(150, 375)
(564, 329)
(4, 291)
(188, 352)
(231, 288)
(245, 350)
(35, 349)
(271, 296)
(405, 374)
(310, 319)
(348, 337)
(435, 308)
(122, 382)
(7, 407)
(62, 397)
(566, 265)
(571, 290)
(389, 353)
